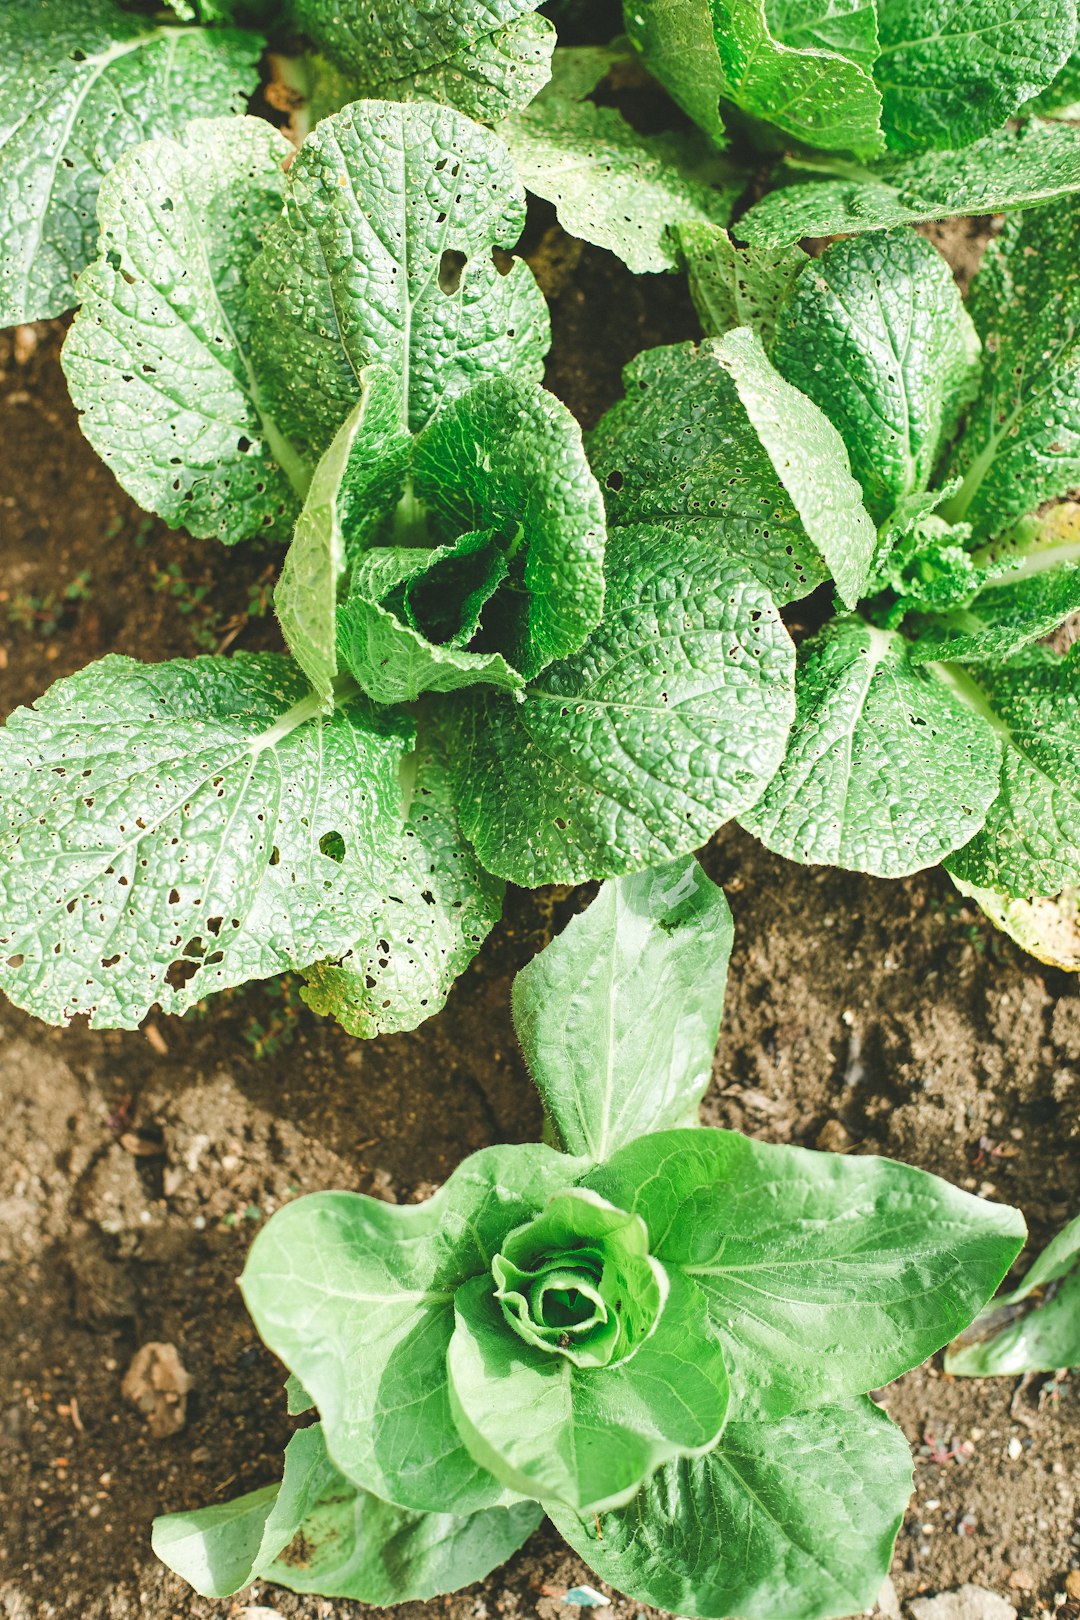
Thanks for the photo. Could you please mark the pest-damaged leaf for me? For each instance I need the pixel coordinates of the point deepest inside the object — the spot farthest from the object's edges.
(736, 286)
(1033, 1328)
(316, 1532)
(796, 1517)
(618, 1017)
(82, 80)
(169, 830)
(668, 722)
(678, 45)
(159, 358)
(391, 43)
(886, 771)
(1047, 927)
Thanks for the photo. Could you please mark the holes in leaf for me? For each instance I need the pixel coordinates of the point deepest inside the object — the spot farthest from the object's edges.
(333, 845)
(614, 480)
(179, 973)
(451, 266)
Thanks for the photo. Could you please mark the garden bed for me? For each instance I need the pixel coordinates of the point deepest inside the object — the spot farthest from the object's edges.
(862, 1015)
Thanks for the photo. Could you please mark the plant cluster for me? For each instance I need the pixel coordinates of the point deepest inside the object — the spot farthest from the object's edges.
(659, 1334)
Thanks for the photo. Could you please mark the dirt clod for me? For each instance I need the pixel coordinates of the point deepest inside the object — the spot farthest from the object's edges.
(157, 1384)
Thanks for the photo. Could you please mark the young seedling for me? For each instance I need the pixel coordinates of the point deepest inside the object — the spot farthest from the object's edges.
(659, 1334)
(1034, 1327)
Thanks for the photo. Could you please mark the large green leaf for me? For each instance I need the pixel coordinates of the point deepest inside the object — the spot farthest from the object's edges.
(678, 44)
(438, 907)
(1007, 170)
(169, 830)
(1002, 619)
(736, 286)
(810, 460)
(357, 1298)
(316, 1532)
(887, 771)
(618, 1017)
(875, 333)
(679, 453)
(844, 27)
(1021, 442)
(1035, 1327)
(615, 187)
(819, 96)
(159, 358)
(384, 202)
(394, 41)
(585, 1437)
(794, 1518)
(668, 722)
(82, 80)
(826, 1276)
(1030, 842)
(951, 71)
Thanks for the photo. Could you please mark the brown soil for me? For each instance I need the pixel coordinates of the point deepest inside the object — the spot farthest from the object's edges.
(885, 1015)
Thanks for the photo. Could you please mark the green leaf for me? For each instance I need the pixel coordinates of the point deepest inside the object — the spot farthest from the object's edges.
(577, 70)
(315, 1532)
(169, 830)
(810, 460)
(1002, 619)
(357, 1298)
(438, 907)
(393, 42)
(844, 27)
(820, 97)
(826, 1276)
(1041, 1335)
(617, 188)
(679, 453)
(1021, 441)
(1007, 170)
(83, 80)
(586, 1438)
(951, 71)
(1047, 927)
(1030, 842)
(875, 333)
(736, 286)
(1060, 97)
(359, 271)
(886, 771)
(668, 722)
(796, 1517)
(619, 1016)
(679, 48)
(159, 358)
(306, 595)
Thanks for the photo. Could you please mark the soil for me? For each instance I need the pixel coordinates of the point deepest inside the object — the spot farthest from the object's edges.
(136, 1167)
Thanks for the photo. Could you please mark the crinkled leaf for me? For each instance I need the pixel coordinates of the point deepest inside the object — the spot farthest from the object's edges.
(438, 908)
(826, 1276)
(1043, 1334)
(1007, 170)
(951, 71)
(668, 722)
(306, 595)
(619, 1016)
(875, 333)
(614, 187)
(1029, 843)
(391, 41)
(886, 771)
(159, 358)
(818, 96)
(83, 80)
(357, 1298)
(585, 1437)
(1001, 620)
(678, 45)
(380, 200)
(796, 1517)
(1021, 441)
(319, 1533)
(844, 27)
(1060, 97)
(169, 830)
(576, 70)
(736, 286)
(810, 460)
(679, 452)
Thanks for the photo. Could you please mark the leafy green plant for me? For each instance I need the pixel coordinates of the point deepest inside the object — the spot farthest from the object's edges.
(584, 698)
(84, 80)
(917, 442)
(1034, 1327)
(661, 1335)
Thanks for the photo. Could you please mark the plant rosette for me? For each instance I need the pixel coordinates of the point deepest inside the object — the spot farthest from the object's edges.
(659, 1334)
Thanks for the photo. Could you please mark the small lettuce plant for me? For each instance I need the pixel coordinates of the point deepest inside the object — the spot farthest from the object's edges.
(921, 446)
(1034, 1327)
(84, 80)
(660, 1335)
(488, 680)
